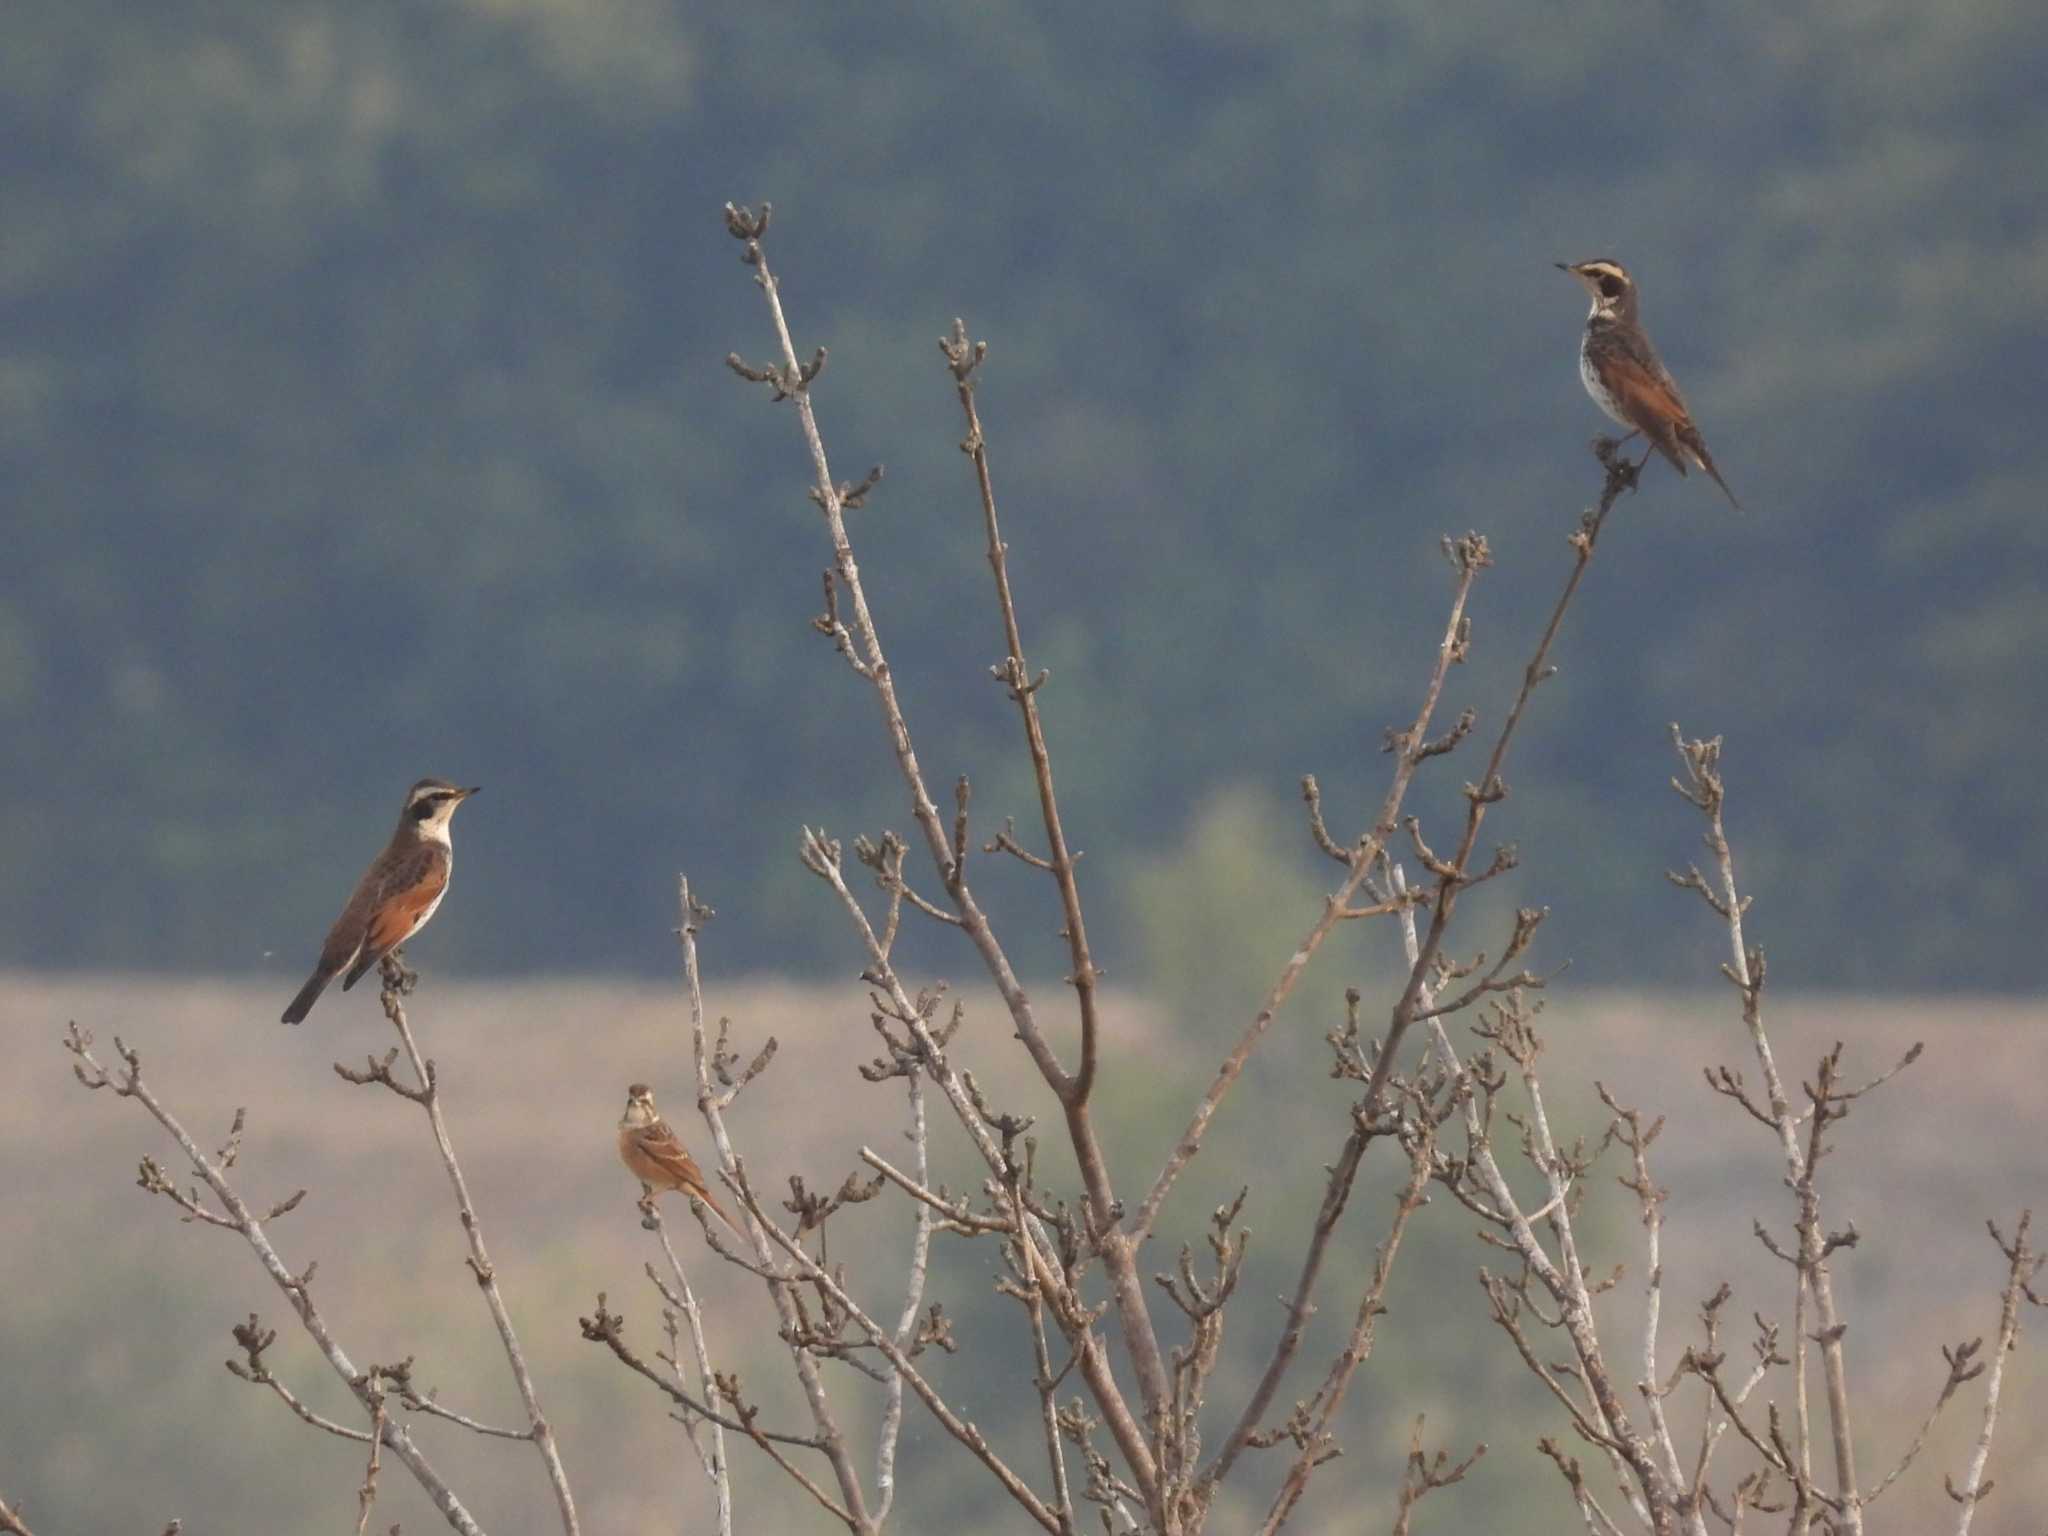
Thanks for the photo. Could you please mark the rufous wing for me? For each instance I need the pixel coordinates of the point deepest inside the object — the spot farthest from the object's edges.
(409, 895)
(658, 1157)
(1650, 401)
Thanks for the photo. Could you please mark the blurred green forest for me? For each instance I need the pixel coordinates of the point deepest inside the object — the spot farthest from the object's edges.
(362, 415)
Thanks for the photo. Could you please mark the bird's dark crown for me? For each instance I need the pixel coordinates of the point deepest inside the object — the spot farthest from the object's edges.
(1604, 275)
(432, 801)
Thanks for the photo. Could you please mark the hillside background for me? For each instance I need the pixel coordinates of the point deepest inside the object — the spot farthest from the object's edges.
(362, 416)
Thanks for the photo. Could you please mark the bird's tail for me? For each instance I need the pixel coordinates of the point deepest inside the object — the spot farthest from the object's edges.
(1697, 447)
(308, 995)
(705, 1195)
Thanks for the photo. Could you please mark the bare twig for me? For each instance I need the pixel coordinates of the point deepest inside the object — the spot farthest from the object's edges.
(1470, 556)
(366, 1496)
(434, 1408)
(608, 1328)
(254, 1339)
(2022, 1264)
(1490, 787)
(12, 1521)
(428, 1096)
(1602, 1419)
(717, 1467)
(1703, 788)
(884, 1341)
(958, 1216)
(1637, 1137)
(1315, 1442)
(1076, 1323)
(1425, 1474)
(128, 1082)
(946, 847)
(1963, 1366)
(851, 1506)
(913, 1303)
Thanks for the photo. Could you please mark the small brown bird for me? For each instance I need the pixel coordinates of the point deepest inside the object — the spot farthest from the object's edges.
(656, 1156)
(395, 897)
(1627, 379)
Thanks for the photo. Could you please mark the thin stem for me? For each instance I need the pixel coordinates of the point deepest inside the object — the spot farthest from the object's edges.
(831, 1439)
(1076, 1323)
(480, 1265)
(1813, 1277)
(1620, 477)
(1336, 1385)
(1118, 1251)
(366, 1496)
(2023, 1264)
(961, 1430)
(717, 1465)
(1076, 1089)
(1473, 558)
(1655, 1500)
(913, 1304)
(130, 1084)
(1300, 1307)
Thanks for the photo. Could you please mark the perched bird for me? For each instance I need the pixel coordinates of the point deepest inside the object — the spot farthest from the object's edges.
(1627, 379)
(395, 897)
(656, 1156)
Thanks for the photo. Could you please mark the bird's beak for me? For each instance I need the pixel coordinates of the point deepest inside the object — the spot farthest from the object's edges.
(474, 789)
(1562, 266)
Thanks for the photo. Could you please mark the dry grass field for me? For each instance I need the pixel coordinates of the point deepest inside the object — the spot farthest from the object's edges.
(116, 1414)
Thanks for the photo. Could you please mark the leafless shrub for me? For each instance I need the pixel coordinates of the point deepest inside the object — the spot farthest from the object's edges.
(216, 1201)
(1132, 1431)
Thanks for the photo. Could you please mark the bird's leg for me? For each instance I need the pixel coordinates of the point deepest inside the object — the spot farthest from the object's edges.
(396, 974)
(647, 1217)
(1618, 465)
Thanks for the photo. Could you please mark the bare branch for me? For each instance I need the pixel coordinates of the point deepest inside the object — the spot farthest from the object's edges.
(1315, 1442)
(884, 1341)
(1703, 788)
(1963, 1366)
(1637, 1137)
(913, 1303)
(957, 1215)
(128, 1082)
(683, 1300)
(608, 1328)
(1471, 557)
(851, 1506)
(255, 1339)
(396, 982)
(366, 1496)
(1620, 476)
(1425, 1474)
(1598, 1521)
(1117, 1250)
(2022, 1264)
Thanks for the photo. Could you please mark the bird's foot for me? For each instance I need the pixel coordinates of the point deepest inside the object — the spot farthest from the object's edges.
(1621, 469)
(396, 975)
(649, 1218)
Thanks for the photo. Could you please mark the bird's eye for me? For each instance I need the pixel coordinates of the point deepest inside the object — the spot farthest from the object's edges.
(1610, 286)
